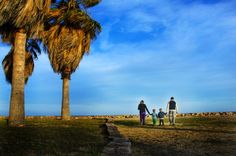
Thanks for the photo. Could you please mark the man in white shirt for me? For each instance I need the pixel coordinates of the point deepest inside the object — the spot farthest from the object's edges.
(172, 109)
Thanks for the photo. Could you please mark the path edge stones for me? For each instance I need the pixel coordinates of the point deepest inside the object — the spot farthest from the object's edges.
(118, 146)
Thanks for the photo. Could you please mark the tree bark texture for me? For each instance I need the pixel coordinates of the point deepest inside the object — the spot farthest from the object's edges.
(17, 109)
(65, 109)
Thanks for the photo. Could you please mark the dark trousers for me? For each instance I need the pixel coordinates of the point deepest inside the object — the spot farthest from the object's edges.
(161, 122)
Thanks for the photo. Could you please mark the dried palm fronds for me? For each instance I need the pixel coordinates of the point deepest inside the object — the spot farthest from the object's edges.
(23, 14)
(64, 47)
(68, 35)
(7, 64)
(75, 18)
(89, 3)
(32, 50)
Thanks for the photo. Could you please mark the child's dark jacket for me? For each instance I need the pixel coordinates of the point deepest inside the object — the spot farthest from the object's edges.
(161, 115)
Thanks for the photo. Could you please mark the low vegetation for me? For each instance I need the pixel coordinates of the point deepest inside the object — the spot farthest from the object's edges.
(53, 137)
(190, 136)
(86, 137)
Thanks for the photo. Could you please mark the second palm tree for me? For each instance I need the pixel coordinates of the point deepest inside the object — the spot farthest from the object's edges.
(69, 30)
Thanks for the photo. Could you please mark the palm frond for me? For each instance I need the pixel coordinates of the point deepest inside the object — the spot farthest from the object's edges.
(7, 64)
(64, 46)
(89, 3)
(32, 46)
(74, 18)
(7, 32)
(7, 10)
(32, 52)
(24, 14)
(78, 3)
(68, 34)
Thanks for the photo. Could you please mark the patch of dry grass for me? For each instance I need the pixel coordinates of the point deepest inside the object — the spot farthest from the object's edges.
(191, 136)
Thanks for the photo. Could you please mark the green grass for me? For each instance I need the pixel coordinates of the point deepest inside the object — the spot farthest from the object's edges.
(52, 137)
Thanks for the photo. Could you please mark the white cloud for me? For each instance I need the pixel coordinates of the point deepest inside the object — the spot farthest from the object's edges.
(192, 57)
(141, 21)
(105, 44)
(191, 49)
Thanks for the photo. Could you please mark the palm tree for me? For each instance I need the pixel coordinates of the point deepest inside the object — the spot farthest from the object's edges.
(32, 52)
(20, 20)
(67, 38)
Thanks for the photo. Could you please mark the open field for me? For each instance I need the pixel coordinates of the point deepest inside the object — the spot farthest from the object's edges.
(53, 137)
(85, 137)
(191, 136)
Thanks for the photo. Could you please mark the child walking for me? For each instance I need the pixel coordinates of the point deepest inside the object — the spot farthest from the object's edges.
(154, 117)
(161, 116)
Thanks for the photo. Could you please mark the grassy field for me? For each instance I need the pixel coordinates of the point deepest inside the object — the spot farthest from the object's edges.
(191, 136)
(53, 137)
(85, 137)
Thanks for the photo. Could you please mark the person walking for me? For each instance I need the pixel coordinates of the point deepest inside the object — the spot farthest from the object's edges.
(154, 117)
(161, 116)
(142, 112)
(172, 109)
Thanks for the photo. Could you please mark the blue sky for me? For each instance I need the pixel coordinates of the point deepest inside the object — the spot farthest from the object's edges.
(149, 50)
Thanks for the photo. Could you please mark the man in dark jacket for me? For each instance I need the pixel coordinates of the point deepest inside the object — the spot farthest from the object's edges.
(172, 109)
(142, 112)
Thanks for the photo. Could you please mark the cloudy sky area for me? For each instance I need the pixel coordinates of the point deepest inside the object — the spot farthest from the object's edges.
(150, 50)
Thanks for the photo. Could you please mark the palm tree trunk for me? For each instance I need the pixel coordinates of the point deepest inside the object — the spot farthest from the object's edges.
(65, 109)
(17, 110)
